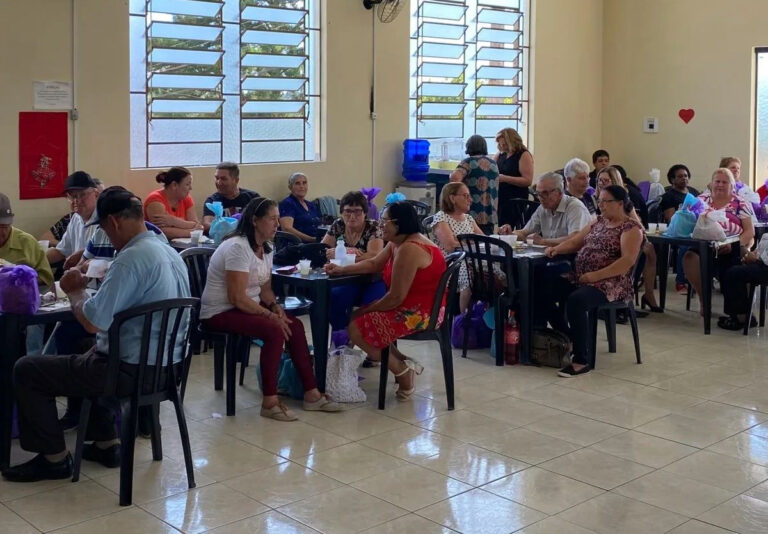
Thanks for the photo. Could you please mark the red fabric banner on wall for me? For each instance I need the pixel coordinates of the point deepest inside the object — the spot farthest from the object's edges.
(43, 154)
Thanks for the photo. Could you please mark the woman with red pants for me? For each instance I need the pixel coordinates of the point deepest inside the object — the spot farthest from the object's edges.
(238, 298)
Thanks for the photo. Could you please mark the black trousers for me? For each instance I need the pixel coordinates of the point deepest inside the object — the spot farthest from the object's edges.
(38, 380)
(734, 286)
(579, 301)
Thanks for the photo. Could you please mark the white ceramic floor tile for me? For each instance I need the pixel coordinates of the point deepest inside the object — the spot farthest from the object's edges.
(719, 470)
(472, 464)
(527, 446)
(742, 514)
(575, 428)
(597, 469)
(644, 449)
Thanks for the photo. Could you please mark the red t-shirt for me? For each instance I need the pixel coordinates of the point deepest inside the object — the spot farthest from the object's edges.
(159, 196)
(763, 192)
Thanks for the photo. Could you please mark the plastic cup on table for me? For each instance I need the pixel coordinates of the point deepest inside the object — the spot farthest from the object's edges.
(529, 241)
(337, 261)
(44, 244)
(194, 236)
(662, 227)
(349, 259)
(304, 267)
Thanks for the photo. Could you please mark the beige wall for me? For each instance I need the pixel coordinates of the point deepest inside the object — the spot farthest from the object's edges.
(663, 55)
(36, 41)
(567, 92)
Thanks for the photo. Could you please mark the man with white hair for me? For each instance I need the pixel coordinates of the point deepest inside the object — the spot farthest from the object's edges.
(557, 218)
(577, 182)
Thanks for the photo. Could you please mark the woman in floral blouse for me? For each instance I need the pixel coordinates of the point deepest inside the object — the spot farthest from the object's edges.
(362, 236)
(411, 266)
(606, 250)
(479, 173)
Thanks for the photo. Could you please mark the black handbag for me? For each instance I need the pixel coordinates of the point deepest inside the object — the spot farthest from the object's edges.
(290, 255)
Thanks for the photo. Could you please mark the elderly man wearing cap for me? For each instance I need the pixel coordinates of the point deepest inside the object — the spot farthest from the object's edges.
(145, 270)
(19, 247)
(81, 190)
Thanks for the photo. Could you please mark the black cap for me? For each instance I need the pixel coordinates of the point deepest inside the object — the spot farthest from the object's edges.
(78, 180)
(114, 200)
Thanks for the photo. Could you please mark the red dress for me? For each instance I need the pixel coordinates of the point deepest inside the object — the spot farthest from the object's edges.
(380, 328)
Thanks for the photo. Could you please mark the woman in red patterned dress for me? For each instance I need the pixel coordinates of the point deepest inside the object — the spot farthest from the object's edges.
(607, 251)
(411, 266)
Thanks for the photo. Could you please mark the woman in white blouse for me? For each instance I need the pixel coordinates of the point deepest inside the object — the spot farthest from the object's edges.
(238, 298)
(454, 219)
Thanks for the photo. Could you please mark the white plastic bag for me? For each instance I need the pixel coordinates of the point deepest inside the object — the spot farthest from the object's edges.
(341, 375)
(709, 226)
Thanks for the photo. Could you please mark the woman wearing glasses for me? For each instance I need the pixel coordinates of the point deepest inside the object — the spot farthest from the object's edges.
(362, 236)
(606, 251)
(411, 266)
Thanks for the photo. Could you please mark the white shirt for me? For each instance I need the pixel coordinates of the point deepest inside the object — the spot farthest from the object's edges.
(77, 235)
(234, 254)
(570, 216)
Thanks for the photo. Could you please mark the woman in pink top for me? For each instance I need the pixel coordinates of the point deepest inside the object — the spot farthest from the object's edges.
(171, 208)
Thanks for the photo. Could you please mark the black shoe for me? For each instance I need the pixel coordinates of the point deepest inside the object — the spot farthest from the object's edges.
(569, 372)
(38, 468)
(732, 323)
(109, 457)
(69, 421)
(370, 363)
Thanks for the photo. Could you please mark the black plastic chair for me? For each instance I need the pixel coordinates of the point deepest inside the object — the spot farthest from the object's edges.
(284, 239)
(433, 331)
(154, 384)
(751, 299)
(482, 266)
(228, 348)
(426, 225)
(516, 212)
(608, 312)
(422, 208)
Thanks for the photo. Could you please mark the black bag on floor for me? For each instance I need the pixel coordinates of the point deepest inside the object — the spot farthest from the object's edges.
(550, 348)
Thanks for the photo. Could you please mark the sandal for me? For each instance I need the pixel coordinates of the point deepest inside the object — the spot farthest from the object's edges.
(278, 412)
(323, 404)
(410, 366)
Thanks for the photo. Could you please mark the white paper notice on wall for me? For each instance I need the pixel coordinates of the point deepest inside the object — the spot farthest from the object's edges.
(53, 95)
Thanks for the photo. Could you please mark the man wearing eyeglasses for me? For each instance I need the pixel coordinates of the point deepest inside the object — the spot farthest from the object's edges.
(557, 218)
(82, 191)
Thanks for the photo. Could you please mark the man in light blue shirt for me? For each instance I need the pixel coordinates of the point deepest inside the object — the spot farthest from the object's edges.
(145, 270)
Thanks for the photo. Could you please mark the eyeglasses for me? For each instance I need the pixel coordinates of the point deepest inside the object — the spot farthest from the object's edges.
(547, 192)
(601, 201)
(463, 195)
(80, 195)
(347, 211)
(385, 220)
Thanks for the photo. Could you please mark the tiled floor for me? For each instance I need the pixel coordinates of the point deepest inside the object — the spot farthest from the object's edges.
(678, 444)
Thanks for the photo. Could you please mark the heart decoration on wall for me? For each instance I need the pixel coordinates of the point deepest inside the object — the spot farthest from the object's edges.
(686, 115)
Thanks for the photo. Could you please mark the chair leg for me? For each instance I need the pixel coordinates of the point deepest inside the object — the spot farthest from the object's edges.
(635, 332)
(688, 298)
(184, 434)
(610, 329)
(750, 303)
(85, 414)
(465, 343)
(231, 353)
(763, 290)
(130, 418)
(156, 439)
(245, 356)
(443, 337)
(383, 376)
(218, 365)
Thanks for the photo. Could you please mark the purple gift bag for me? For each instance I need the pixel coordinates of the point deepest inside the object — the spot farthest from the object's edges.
(18, 290)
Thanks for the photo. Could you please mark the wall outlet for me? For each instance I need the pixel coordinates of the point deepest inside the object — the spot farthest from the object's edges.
(650, 125)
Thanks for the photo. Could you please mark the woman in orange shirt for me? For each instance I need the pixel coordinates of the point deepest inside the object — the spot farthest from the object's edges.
(171, 208)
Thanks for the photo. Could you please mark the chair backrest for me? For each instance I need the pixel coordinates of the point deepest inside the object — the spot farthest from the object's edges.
(483, 265)
(422, 209)
(518, 211)
(637, 270)
(445, 288)
(197, 259)
(284, 239)
(166, 327)
(426, 225)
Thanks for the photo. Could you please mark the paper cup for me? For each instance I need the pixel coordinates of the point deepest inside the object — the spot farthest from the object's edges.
(529, 241)
(194, 236)
(44, 244)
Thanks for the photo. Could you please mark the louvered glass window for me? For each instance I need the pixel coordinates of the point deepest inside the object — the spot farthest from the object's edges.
(224, 80)
(468, 68)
